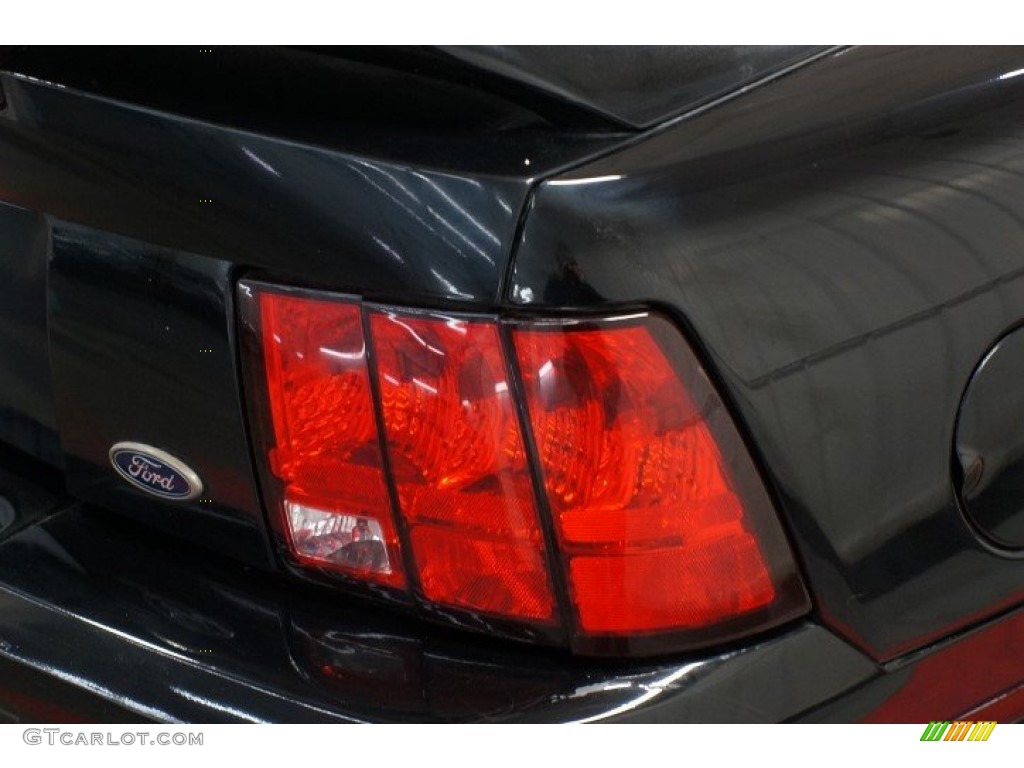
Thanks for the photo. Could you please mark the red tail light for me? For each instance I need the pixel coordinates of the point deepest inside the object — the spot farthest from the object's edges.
(459, 467)
(627, 518)
(334, 510)
(653, 527)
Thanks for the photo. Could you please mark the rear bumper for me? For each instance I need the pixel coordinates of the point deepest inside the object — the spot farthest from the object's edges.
(104, 620)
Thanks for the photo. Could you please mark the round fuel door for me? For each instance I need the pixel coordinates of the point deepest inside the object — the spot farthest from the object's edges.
(988, 464)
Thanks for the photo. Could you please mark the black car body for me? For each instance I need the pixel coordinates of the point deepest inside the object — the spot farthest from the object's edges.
(839, 233)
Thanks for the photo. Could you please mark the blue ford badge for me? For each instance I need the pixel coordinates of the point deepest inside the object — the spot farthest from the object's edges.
(155, 471)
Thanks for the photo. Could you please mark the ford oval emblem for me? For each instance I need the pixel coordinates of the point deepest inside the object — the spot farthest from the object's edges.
(155, 471)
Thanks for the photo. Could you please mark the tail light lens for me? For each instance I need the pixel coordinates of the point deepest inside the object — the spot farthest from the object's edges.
(459, 467)
(662, 524)
(333, 509)
(564, 481)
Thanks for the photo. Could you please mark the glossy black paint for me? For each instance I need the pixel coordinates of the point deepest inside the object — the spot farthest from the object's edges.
(199, 637)
(364, 94)
(846, 244)
(142, 350)
(29, 696)
(27, 415)
(636, 85)
(989, 451)
(395, 104)
(29, 492)
(306, 214)
(937, 685)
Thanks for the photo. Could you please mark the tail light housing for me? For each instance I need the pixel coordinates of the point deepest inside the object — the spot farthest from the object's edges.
(566, 481)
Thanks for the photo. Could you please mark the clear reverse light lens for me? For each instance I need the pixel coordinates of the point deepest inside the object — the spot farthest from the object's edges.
(350, 541)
